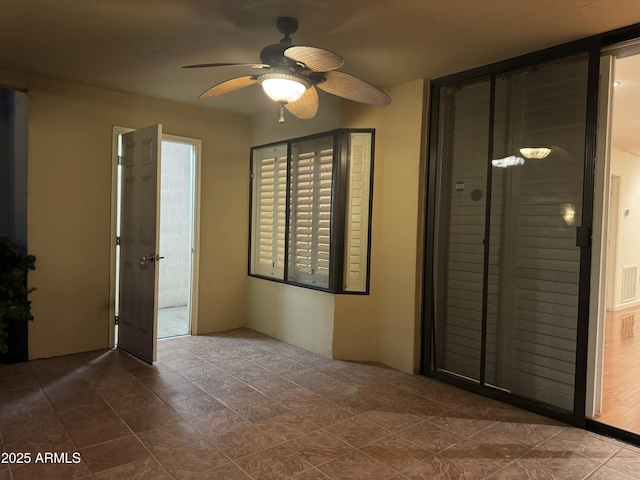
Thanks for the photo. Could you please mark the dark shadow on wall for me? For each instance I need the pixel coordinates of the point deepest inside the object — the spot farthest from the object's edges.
(13, 165)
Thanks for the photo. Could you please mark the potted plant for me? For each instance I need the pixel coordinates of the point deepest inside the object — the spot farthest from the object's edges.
(15, 307)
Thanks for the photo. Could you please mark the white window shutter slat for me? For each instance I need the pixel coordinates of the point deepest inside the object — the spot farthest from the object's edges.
(357, 220)
(270, 190)
(310, 225)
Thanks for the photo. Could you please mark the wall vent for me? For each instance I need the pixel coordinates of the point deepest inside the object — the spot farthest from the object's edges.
(627, 323)
(629, 283)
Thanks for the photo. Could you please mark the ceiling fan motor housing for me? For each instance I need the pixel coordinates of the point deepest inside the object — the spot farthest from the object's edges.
(274, 55)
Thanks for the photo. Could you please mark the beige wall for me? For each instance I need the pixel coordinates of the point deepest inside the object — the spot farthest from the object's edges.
(299, 316)
(69, 221)
(296, 315)
(384, 326)
(69, 217)
(626, 165)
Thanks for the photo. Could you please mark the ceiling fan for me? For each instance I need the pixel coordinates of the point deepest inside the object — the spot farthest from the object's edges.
(289, 74)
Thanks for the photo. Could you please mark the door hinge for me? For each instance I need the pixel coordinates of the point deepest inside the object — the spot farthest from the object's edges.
(117, 318)
(119, 159)
(117, 240)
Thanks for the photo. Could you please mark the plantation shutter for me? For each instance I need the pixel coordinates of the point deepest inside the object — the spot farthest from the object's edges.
(357, 218)
(269, 223)
(310, 215)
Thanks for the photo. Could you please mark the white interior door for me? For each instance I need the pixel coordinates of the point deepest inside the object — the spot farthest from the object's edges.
(139, 242)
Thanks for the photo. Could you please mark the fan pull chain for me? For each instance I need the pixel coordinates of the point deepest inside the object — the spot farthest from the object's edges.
(281, 119)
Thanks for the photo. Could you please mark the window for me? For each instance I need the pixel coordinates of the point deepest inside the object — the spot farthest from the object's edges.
(310, 211)
(269, 204)
(311, 205)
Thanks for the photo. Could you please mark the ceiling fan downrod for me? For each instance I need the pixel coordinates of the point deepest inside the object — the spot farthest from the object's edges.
(287, 26)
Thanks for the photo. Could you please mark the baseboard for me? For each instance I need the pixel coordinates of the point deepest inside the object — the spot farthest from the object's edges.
(624, 306)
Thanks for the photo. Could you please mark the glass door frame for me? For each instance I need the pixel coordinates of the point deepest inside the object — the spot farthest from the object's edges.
(591, 49)
(593, 46)
(621, 42)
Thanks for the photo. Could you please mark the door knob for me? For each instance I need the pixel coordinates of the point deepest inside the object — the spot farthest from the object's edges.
(150, 258)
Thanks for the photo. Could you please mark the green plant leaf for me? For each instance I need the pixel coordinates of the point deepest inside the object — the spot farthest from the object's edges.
(15, 308)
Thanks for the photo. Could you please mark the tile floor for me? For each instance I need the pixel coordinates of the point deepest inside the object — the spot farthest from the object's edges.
(242, 405)
(173, 321)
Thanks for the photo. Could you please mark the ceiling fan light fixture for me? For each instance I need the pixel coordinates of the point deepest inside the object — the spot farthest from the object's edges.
(283, 88)
(535, 152)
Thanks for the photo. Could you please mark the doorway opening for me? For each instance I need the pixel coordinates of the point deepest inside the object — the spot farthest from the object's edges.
(178, 233)
(616, 399)
(177, 174)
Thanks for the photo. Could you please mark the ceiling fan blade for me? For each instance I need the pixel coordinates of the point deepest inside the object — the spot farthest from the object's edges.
(352, 88)
(228, 86)
(315, 59)
(306, 106)
(206, 65)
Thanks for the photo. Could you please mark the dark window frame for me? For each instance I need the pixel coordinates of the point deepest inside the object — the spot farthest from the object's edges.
(340, 171)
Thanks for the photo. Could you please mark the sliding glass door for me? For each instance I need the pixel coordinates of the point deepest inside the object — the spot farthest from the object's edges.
(460, 261)
(506, 265)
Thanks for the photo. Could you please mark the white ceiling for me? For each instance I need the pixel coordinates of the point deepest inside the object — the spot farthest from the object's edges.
(138, 46)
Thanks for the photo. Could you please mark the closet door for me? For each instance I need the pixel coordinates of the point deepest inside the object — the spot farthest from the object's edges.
(509, 191)
(459, 258)
(540, 205)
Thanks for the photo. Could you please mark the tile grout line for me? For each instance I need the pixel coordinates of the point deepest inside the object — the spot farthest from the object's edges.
(130, 430)
(354, 415)
(289, 410)
(325, 370)
(205, 438)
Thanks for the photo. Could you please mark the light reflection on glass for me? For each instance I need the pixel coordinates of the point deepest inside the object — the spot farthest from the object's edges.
(569, 213)
(509, 161)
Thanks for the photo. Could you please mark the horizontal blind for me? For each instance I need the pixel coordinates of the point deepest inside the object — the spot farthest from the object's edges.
(270, 193)
(310, 215)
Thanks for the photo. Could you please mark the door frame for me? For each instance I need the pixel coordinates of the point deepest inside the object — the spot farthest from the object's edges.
(194, 294)
(601, 186)
(601, 258)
